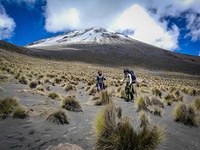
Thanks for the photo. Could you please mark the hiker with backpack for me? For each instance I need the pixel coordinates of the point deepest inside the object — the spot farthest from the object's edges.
(129, 78)
(100, 84)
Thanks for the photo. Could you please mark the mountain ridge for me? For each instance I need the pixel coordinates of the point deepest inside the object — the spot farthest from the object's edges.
(117, 51)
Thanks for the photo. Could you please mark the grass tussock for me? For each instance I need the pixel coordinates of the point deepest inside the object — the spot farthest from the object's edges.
(20, 112)
(105, 98)
(7, 106)
(157, 102)
(33, 84)
(169, 98)
(54, 95)
(196, 103)
(185, 113)
(59, 117)
(23, 79)
(71, 103)
(117, 133)
(92, 90)
(142, 103)
(192, 91)
(69, 87)
(157, 111)
(156, 92)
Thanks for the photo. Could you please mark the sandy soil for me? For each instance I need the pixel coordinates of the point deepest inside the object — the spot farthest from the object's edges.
(34, 133)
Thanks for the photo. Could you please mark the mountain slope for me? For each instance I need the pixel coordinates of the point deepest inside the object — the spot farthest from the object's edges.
(98, 46)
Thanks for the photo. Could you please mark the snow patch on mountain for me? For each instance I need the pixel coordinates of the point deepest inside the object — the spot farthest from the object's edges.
(86, 36)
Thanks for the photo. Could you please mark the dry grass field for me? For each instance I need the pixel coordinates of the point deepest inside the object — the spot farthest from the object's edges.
(45, 102)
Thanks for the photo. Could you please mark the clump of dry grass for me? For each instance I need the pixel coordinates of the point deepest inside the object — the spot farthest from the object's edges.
(69, 87)
(171, 89)
(41, 88)
(92, 90)
(169, 98)
(186, 114)
(7, 106)
(57, 80)
(23, 79)
(156, 92)
(192, 91)
(142, 103)
(59, 117)
(157, 111)
(20, 112)
(71, 103)
(105, 98)
(196, 103)
(54, 95)
(157, 102)
(121, 92)
(33, 84)
(113, 132)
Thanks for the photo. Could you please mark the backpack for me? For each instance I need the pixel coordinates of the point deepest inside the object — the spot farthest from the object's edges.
(133, 76)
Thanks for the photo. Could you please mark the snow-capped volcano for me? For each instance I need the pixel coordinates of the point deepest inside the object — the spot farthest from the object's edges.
(86, 36)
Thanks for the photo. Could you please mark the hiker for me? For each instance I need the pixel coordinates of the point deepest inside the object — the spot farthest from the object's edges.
(129, 78)
(100, 84)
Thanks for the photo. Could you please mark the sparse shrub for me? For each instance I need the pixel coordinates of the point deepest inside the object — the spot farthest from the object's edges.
(23, 80)
(69, 87)
(7, 106)
(40, 76)
(157, 102)
(157, 111)
(57, 80)
(196, 102)
(143, 84)
(72, 104)
(87, 88)
(143, 90)
(121, 92)
(40, 88)
(54, 95)
(141, 104)
(171, 89)
(48, 88)
(169, 98)
(33, 84)
(192, 92)
(113, 133)
(17, 75)
(59, 117)
(156, 92)
(92, 90)
(105, 98)
(179, 98)
(186, 114)
(20, 112)
(90, 82)
(144, 119)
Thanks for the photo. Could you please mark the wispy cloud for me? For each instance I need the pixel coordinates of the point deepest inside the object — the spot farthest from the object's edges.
(7, 24)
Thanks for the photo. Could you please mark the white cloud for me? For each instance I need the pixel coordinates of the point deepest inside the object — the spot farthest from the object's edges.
(7, 24)
(193, 24)
(146, 28)
(66, 19)
(84, 14)
(199, 53)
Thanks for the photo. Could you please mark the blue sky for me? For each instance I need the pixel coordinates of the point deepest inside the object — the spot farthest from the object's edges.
(173, 25)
